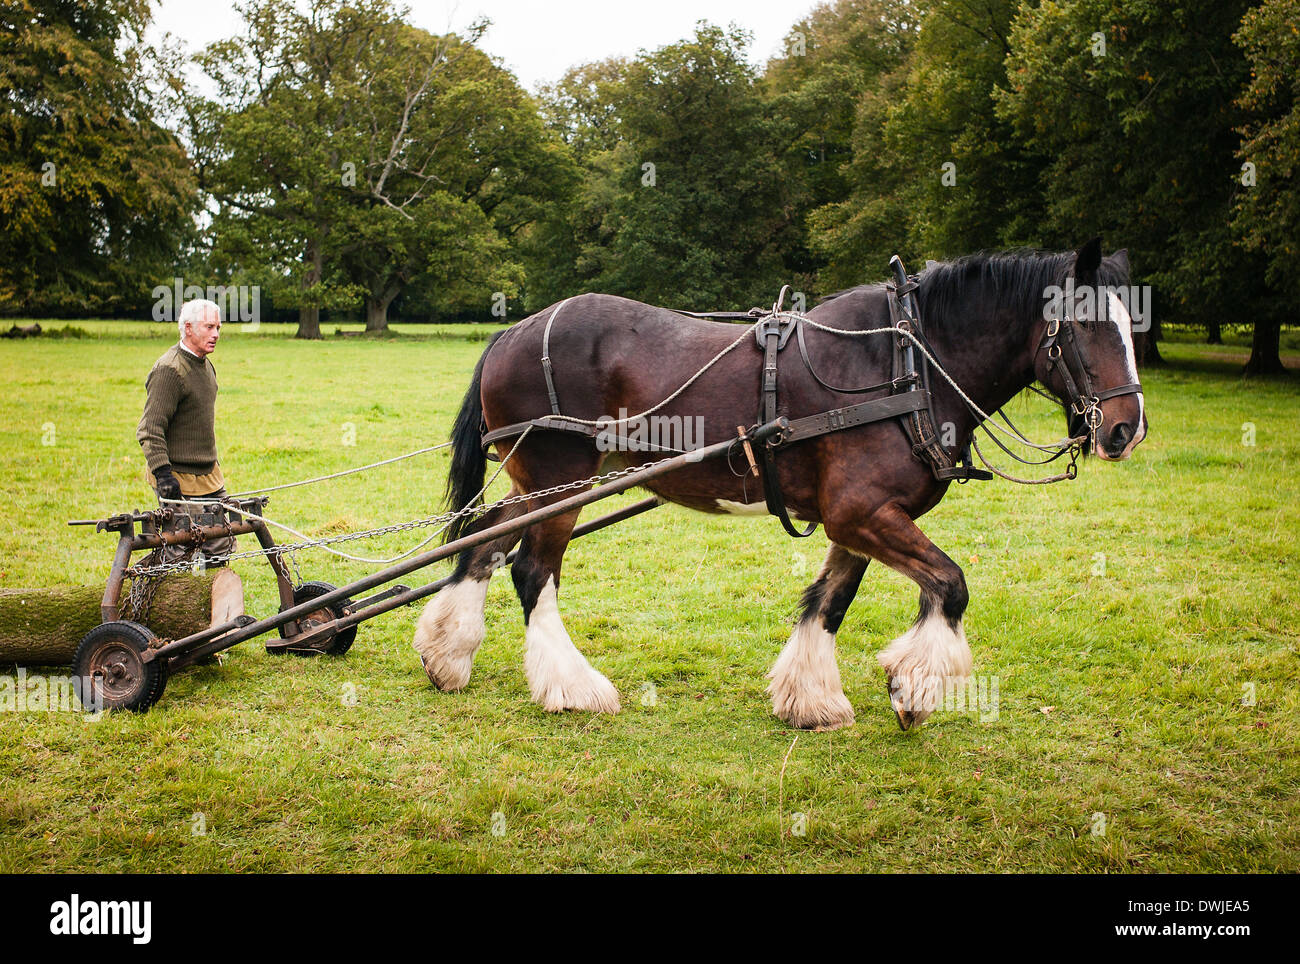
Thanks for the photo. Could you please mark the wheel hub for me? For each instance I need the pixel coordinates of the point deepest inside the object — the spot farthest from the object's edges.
(117, 670)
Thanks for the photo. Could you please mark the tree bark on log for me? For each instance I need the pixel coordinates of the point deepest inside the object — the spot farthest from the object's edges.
(42, 627)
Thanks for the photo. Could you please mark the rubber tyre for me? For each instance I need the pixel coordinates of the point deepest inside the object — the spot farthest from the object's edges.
(109, 656)
(343, 641)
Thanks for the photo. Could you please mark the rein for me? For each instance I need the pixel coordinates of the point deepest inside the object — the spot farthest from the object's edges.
(910, 399)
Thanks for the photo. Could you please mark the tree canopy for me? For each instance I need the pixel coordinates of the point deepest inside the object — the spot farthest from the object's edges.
(349, 161)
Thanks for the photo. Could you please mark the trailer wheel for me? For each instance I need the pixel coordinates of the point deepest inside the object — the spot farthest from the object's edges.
(108, 662)
(341, 642)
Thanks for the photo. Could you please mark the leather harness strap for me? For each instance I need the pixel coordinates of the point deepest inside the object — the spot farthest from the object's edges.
(772, 334)
(851, 416)
(919, 424)
(1082, 398)
(546, 357)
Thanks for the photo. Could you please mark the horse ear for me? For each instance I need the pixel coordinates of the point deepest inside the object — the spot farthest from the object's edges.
(1120, 258)
(1088, 259)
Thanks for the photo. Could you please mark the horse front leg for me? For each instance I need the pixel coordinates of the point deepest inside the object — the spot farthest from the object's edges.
(451, 627)
(805, 687)
(933, 654)
(559, 676)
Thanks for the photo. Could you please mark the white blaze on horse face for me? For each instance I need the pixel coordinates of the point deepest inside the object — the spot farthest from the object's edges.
(559, 677)
(1124, 322)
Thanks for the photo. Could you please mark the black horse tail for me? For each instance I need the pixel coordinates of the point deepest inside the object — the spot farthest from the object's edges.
(468, 460)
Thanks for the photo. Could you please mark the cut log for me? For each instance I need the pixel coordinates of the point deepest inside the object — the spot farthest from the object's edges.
(42, 627)
(227, 594)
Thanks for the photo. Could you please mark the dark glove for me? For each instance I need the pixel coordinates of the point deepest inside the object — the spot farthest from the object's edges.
(169, 487)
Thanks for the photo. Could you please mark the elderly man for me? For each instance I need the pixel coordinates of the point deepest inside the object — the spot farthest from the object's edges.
(178, 428)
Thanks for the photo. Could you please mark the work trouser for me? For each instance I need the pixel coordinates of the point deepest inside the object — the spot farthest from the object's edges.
(213, 550)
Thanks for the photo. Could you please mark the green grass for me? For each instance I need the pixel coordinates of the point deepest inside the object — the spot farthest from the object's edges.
(1124, 616)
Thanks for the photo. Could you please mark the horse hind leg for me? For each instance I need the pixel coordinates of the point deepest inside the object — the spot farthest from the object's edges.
(451, 627)
(559, 676)
(805, 687)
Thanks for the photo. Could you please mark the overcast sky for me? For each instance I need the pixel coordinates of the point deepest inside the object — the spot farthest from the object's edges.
(538, 39)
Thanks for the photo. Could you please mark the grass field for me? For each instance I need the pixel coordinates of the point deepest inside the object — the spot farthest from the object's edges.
(1140, 626)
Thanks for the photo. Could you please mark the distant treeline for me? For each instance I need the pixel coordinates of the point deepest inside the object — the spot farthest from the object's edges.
(353, 164)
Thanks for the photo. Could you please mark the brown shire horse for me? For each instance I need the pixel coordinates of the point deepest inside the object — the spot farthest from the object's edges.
(984, 316)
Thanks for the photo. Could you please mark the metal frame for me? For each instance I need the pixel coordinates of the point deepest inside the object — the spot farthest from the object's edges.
(197, 646)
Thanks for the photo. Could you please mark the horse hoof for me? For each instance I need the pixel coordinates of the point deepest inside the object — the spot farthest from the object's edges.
(904, 717)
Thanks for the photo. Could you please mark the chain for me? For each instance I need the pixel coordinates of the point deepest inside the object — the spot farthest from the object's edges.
(1071, 471)
(143, 586)
(445, 520)
(293, 564)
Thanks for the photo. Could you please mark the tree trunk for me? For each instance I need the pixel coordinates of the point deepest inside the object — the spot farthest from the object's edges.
(42, 627)
(1213, 333)
(1265, 354)
(1146, 346)
(309, 315)
(377, 308)
(308, 323)
(376, 314)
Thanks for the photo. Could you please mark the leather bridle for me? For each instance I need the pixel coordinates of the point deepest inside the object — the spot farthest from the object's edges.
(1081, 398)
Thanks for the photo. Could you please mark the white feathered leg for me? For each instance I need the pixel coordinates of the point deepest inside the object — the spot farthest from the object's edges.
(921, 662)
(559, 677)
(805, 687)
(450, 631)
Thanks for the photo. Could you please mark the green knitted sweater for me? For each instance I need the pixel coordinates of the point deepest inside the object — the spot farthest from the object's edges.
(178, 427)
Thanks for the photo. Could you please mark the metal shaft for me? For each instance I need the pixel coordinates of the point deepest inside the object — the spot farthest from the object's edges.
(489, 534)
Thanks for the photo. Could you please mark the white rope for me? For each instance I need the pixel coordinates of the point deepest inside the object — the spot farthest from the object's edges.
(465, 510)
(1063, 444)
(336, 475)
(687, 384)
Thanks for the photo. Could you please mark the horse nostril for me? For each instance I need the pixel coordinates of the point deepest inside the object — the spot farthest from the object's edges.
(1120, 438)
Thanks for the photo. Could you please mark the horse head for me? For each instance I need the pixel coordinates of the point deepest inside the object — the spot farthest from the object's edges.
(1085, 353)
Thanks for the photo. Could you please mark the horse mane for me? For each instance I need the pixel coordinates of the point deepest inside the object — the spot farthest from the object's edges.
(1021, 275)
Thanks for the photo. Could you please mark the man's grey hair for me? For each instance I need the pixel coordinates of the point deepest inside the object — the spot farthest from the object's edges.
(196, 310)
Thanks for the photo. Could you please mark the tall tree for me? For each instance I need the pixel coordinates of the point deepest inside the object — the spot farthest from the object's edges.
(567, 249)
(935, 172)
(1268, 204)
(835, 58)
(688, 206)
(1133, 103)
(400, 158)
(270, 148)
(96, 197)
(455, 162)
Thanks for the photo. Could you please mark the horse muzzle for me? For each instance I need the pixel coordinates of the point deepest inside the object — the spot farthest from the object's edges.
(1116, 443)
